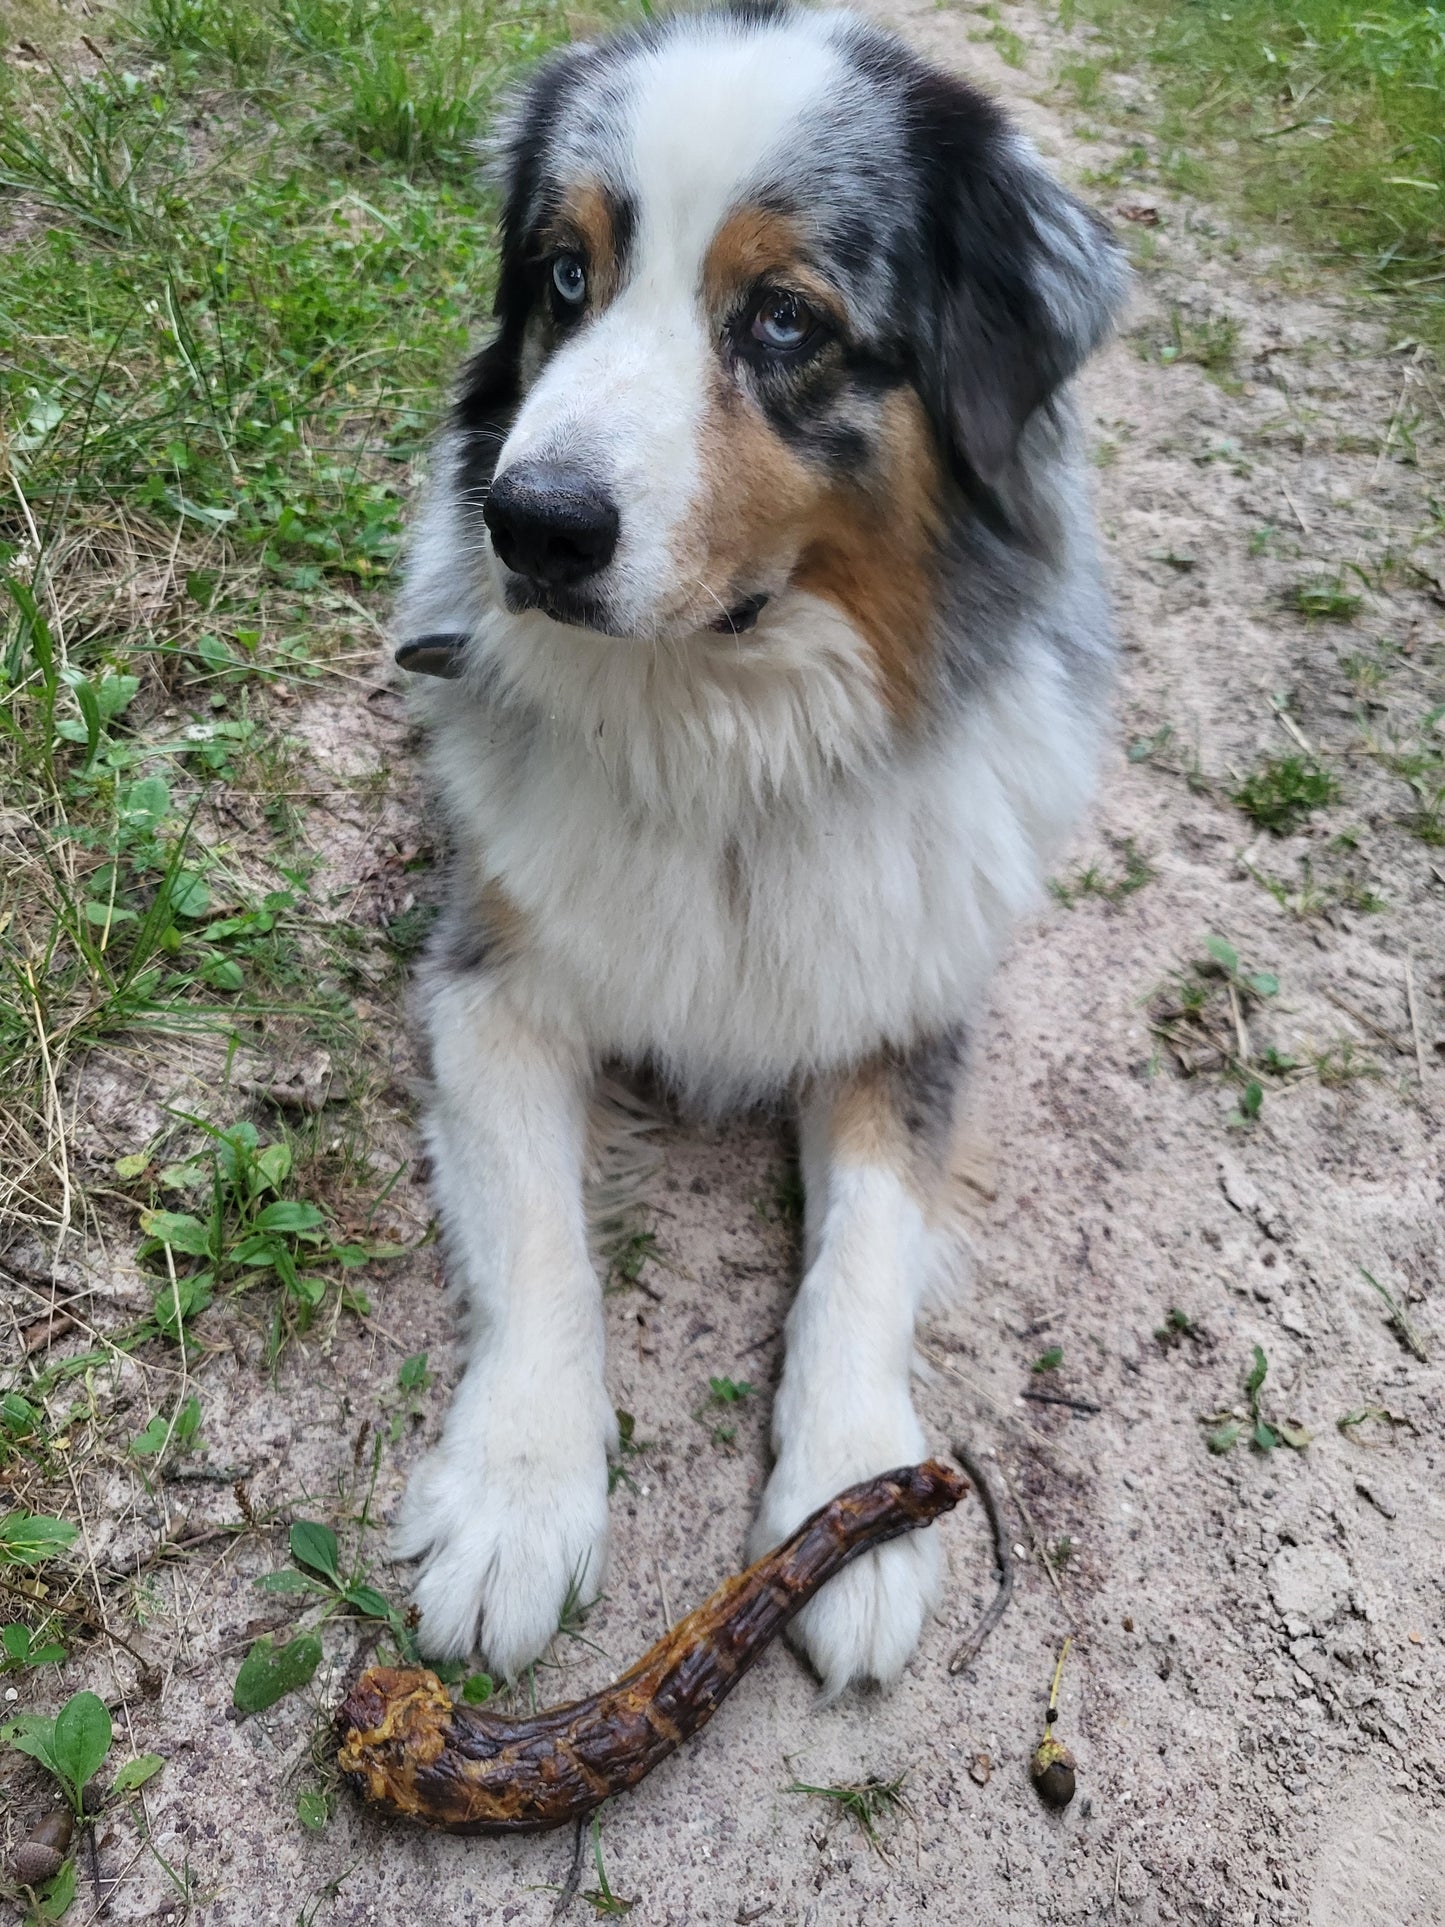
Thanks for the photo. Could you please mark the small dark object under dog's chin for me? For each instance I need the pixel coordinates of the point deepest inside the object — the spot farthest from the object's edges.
(582, 612)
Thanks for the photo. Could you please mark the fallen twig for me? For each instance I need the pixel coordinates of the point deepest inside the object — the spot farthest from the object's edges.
(1062, 1398)
(1003, 1412)
(567, 1892)
(1360, 1017)
(45, 1331)
(1003, 1558)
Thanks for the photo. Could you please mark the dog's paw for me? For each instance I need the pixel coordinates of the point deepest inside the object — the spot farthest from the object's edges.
(507, 1524)
(865, 1623)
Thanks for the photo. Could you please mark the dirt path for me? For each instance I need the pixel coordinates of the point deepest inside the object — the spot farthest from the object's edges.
(1254, 1692)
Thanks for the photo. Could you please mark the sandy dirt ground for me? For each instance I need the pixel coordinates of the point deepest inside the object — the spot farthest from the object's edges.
(1254, 1689)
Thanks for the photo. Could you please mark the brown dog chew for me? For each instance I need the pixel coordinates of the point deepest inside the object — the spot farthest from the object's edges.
(405, 1746)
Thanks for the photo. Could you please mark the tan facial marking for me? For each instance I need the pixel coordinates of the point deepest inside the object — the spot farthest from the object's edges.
(868, 548)
(755, 244)
(582, 224)
(757, 494)
(871, 551)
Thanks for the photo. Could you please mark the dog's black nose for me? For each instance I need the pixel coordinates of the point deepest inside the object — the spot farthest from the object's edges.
(551, 522)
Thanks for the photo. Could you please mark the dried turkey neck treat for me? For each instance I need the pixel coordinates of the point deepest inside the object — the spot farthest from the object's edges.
(406, 1747)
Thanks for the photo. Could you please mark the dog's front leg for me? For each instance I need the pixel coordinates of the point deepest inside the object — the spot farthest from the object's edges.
(874, 1146)
(510, 1511)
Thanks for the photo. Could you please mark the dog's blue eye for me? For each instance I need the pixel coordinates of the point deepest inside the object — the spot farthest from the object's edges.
(569, 278)
(783, 322)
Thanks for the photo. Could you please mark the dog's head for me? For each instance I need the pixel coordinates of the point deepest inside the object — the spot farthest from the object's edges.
(776, 298)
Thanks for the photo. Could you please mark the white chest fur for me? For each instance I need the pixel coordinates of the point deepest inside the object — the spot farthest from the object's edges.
(740, 916)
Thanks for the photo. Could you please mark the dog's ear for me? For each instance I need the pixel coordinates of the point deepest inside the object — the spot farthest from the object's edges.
(1022, 281)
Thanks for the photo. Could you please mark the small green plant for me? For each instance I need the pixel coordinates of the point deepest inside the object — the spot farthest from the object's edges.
(1091, 881)
(19, 1648)
(1264, 1435)
(165, 1435)
(412, 1379)
(1210, 344)
(71, 1747)
(1352, 1424)
(1258, 984)
(1201, 1015)
(1177, 1324)
(250, 1230)
(30, 1538)
(605, 1904)
(1145, 748)
(1050, 1360)
(313, 1808)
(1251, 1103)
(727, 1391)
(319, 1574)
(1324, 599)
(724, 1394)
(269, 1672)
(576, 1608)
(634, 1249)
(628, 1446)
(868, 1803)
(1399, 1318)
(1283, 790)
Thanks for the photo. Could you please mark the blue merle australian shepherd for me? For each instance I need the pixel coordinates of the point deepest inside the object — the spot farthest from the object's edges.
(758, 582)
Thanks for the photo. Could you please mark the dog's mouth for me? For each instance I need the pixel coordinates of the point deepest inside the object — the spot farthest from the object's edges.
(572, 607)
(741, 617)
(579, 610)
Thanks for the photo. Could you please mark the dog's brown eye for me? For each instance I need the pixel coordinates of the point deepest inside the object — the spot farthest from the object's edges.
(783, 322)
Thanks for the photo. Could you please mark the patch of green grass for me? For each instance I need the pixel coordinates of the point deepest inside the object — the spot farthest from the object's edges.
(1210, 344)
(1264, 1434)
(1313, 896)
(1419, 762)
(605, 1904)
(1282, 791)
(252, 249)
(725, 1395)
(1323, 599)
(1399, 1318)
(868, 1803)
(1317, 113)
(1012, 48)
(1202, 1015)
(246, 1226)
(1092, 881)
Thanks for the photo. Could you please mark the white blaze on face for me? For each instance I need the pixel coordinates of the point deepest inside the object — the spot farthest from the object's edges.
(626, 398)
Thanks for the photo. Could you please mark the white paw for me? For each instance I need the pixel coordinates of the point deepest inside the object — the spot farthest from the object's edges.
(508, 1515)
(865, 1623)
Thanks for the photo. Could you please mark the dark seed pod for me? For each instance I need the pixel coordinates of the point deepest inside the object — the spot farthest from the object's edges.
(1052, 1768)
(41, 1854)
